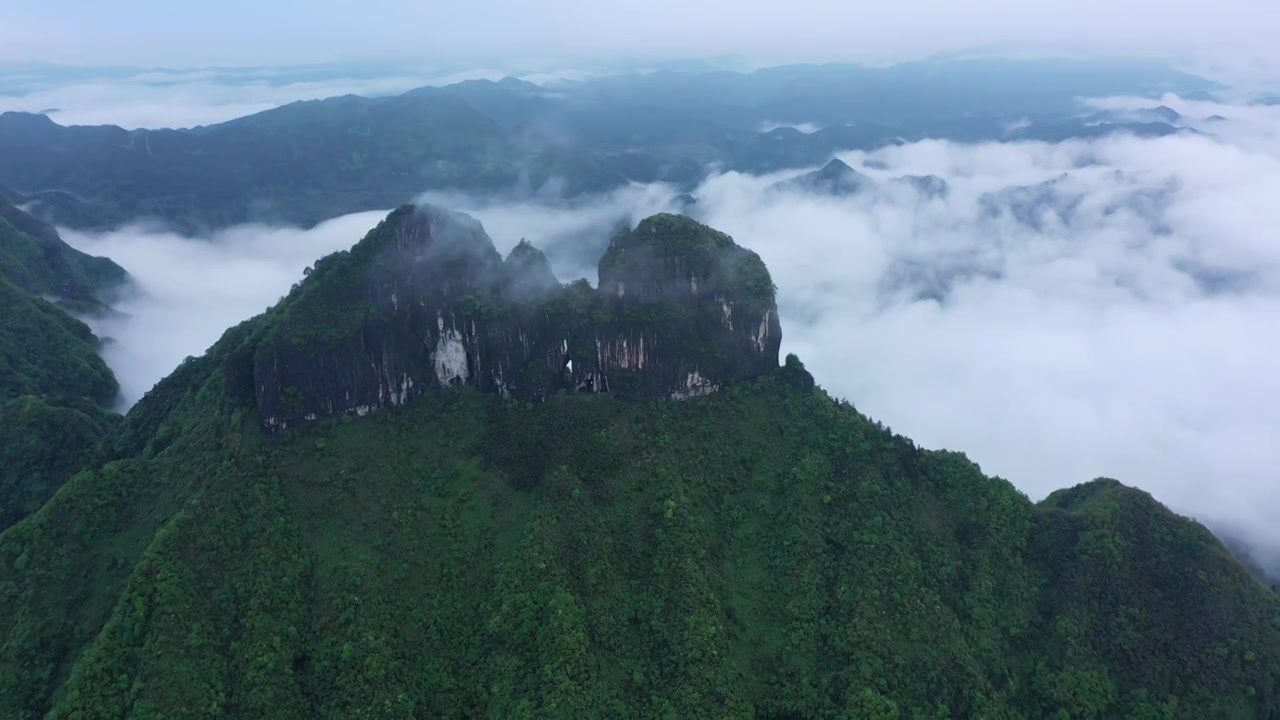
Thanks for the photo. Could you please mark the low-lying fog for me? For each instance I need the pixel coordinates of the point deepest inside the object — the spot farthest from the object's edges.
(1060, 312)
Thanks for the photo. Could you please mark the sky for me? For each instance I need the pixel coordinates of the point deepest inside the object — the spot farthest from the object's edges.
(242, 32)
(1119, 328)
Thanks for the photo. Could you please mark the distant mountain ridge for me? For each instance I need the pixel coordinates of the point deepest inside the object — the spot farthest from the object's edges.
(54, 386)
(837, 179)
(308, 161)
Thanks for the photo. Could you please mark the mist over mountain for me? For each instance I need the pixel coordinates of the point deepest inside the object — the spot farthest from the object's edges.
(995, 305)
(503, 477)
(54, 386)
(572, 396)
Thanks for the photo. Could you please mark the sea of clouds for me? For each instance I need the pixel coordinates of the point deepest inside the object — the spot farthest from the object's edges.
(1065, 311)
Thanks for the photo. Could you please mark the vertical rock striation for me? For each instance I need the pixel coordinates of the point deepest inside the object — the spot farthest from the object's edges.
(425, 301)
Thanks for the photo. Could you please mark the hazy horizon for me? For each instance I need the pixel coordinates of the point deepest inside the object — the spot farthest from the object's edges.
(146, 32)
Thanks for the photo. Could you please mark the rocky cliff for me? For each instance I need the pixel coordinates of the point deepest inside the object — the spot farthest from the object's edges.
(426, 301)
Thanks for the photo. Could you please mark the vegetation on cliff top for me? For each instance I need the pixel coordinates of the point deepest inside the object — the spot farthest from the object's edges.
(666, 248)
(766, 552)
(450, 252)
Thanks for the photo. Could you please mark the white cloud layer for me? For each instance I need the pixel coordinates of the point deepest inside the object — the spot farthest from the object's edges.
(1118, 320)
(1130, 339)
(191, 290)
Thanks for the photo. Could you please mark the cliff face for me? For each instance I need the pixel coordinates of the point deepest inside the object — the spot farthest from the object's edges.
(426, 301)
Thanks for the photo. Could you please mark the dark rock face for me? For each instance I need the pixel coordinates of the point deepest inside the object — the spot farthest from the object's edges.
(425, 301)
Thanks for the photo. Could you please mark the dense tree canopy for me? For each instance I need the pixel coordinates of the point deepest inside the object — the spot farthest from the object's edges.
(766, 551)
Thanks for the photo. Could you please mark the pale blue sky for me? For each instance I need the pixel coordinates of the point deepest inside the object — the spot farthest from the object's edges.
(239, 32)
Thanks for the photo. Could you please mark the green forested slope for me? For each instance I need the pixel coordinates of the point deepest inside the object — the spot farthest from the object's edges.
(43, 350)
(766, 551)
(34, 258)
(41, 445)
(46, 352)
(52, 381)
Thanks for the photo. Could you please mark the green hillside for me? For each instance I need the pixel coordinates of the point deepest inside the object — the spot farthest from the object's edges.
(764, 551)
(34, 258)
(52, 380)
(44, 351)
(41, 445)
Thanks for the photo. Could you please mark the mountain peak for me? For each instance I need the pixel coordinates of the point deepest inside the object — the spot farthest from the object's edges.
(835, 178)
(528, 273)
(24, 128)
(425, 301)
(674, 256)
(836, 168)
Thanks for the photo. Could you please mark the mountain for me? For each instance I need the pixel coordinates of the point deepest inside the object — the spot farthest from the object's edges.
(45, 351)
(308, 161)
(42, 444)
(940, 88)
(545, 546)
(681, 311)
(838, 179)
(1090, 127)
(299, 163)
(37, 260)
(53, 383)
(835, 178)
(1053, 200)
